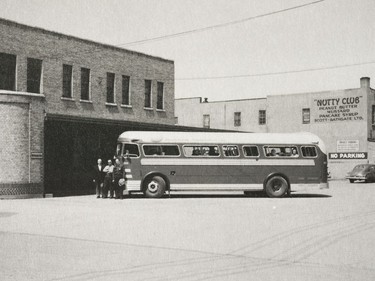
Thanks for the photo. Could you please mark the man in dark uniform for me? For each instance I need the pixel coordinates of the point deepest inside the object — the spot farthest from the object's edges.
(99, 178)
(118, 173)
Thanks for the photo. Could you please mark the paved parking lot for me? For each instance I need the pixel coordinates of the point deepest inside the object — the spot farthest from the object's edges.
(321, 235)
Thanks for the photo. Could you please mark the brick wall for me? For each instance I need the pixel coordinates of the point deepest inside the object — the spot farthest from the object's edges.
(22, 114)
(57, 49)
(21, 145)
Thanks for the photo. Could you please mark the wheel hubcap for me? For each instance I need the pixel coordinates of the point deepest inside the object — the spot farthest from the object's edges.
(276, 185)
(153, 186)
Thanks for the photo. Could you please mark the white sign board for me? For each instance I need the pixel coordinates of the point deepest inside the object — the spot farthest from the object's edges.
(338, 109)
(347, 145)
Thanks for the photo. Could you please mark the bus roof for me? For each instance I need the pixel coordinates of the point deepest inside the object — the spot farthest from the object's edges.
(221, 138)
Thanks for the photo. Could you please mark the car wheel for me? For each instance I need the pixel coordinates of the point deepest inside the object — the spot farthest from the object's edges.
(368, 178)
(351, 181)
(154, 187)
(276, 187)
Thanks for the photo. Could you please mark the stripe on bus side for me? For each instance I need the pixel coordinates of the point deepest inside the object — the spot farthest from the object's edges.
(135, 185)
(226, 162)
(218, 186)
(259, 186)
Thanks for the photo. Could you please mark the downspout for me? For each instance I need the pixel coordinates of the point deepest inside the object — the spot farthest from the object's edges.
(29, 129)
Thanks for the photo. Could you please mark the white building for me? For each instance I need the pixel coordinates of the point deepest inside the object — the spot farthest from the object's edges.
(344, 119)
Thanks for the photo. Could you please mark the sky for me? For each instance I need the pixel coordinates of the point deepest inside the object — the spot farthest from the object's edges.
(236, 49)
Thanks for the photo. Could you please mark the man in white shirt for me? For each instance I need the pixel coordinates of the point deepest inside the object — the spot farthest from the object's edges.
(108, 178)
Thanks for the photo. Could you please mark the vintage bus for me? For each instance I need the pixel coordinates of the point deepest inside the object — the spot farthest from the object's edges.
(159, 162)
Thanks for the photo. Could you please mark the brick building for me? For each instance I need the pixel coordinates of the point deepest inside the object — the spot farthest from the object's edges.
(343, 119)
(63, 102)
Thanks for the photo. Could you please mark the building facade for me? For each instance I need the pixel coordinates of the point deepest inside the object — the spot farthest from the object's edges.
(63, 102)
(343, 119)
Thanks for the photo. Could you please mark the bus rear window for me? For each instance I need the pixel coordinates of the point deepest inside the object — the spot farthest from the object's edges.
(201, 150)
(251, 151)
(162, 150)
(131, 150)
(309, 151)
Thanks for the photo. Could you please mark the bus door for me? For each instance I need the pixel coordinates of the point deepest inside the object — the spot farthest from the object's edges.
(131, 160)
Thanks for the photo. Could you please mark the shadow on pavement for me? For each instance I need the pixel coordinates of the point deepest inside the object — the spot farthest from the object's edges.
(7, 214)
(213, 195)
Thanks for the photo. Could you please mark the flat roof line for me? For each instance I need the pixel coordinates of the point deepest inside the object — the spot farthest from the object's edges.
(87, 41)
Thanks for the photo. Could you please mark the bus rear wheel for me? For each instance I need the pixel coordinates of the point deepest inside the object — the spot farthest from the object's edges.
(154, 187)
(276, 187)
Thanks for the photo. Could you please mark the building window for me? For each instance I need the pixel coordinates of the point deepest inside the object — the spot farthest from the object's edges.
(125, 90)
(262, 117)
(147, 93)
(160, 96)
(110, 87)
(85, 83)
(373, 114)
(305, 115)
(67, 81)
(237, 119)
(7, 72)
(206, 121)
(34, 75)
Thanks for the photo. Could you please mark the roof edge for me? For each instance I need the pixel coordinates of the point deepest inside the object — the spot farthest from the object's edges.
(87, 41)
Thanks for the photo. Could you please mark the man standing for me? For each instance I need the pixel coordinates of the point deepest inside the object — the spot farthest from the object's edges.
(108, 170)
(118, 173)
(98, 178)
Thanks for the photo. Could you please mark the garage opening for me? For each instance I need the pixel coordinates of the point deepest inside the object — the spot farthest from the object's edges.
(73, 145)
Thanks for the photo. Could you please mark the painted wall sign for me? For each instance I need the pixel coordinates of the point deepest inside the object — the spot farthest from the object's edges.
(347, 155)
(337, 109)
(347, 145)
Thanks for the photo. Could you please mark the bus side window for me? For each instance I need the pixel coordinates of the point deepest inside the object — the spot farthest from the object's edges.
(251, 151)
(281, 151)
(152, 150)
(272, 151)
(191, 150)
(309, 151)
(207, 150)
(161, 150)
(170, 150)
(230, 150)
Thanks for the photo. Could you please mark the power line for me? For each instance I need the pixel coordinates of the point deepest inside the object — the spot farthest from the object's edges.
(202, 29)
(183, 33)
(273, 73)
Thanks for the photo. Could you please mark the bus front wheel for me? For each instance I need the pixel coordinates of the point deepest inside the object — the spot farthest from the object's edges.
(276, 187)
(154, 187)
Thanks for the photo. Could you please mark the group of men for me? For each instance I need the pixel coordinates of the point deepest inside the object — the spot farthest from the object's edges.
(111, 178)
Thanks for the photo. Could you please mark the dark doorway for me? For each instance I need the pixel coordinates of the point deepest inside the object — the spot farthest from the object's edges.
(71, 151)
(73, 145)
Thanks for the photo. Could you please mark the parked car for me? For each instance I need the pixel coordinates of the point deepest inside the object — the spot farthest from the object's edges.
(364, 172)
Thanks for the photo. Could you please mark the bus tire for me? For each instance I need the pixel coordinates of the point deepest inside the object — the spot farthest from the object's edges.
(154, 187)
(276, 187)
